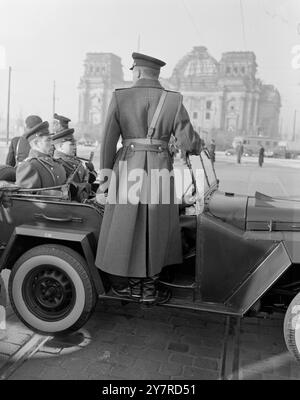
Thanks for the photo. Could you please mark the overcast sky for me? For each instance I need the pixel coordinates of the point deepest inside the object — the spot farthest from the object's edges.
(46, 40)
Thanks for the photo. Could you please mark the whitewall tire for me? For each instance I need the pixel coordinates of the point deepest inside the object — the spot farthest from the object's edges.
(51, 290)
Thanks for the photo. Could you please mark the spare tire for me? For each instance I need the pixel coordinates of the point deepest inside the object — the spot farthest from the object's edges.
(7, 173)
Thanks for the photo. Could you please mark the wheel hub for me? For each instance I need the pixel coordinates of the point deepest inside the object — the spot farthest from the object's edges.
(49, 292)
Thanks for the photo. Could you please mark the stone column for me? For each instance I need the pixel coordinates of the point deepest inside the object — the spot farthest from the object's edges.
(222, 111)
(82, 105)
(241, 113)
(255, 110)
(217, 111)
(248, 112)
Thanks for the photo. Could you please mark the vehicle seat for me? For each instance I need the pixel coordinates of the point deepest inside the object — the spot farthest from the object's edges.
(7, 173)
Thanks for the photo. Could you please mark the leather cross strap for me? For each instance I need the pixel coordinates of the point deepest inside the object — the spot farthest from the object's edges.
(17, 151)
(159, 107)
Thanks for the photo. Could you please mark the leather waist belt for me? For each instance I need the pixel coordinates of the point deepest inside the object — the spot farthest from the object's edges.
(141, 144)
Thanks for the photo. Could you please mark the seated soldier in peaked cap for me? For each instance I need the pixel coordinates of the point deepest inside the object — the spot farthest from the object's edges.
(60, 122)
(65, 152)
(39, 170)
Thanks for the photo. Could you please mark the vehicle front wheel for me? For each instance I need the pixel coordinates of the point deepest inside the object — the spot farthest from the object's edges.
(50, 289)
(292, 327)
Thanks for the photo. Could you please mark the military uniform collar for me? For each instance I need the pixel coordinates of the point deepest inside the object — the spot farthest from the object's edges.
(148, 83)
(38, 154)
(60, 154)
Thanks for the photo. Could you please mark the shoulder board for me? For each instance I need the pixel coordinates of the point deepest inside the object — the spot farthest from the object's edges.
(124, 88)
(46, 161)
(29, 159)
(71, 163)
(171, 91)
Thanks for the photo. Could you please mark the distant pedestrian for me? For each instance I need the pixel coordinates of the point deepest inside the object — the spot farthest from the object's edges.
(239, 152)
(261, 156)
(212, 150)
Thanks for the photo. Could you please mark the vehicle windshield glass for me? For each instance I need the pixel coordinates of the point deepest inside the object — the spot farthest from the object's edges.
(209, 172)
(89, 150)
(203, 171)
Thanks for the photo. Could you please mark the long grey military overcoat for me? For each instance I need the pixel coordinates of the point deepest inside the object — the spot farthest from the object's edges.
(138, 240)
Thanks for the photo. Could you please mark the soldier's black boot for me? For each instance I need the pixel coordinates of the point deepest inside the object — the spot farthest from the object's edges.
(119, 285)
(150, 293)
(135, 285)
(121, 292)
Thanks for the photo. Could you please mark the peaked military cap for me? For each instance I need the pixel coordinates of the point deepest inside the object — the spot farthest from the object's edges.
(63, 135)
(142, 60)
(40, 129)
(62, 132)
(63, 121)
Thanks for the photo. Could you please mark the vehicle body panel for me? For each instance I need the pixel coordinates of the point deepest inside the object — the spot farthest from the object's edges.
(44, 213)
(226, 257)
(228, 207)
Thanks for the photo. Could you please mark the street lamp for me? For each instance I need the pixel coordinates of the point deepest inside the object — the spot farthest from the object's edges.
(8, 105)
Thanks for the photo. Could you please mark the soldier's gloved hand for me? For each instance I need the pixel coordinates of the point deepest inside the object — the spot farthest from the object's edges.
(5, 199)
(90, 166)
(194, 152)
(6, 191)
(80, 191)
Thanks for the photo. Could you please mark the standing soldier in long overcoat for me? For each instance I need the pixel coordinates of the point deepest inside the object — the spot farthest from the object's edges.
(138, 239)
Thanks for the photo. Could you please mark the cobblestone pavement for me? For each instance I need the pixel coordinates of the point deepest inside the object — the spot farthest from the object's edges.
(125, 342)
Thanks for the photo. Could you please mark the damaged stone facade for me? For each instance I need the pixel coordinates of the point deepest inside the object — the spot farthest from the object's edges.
(223, 98)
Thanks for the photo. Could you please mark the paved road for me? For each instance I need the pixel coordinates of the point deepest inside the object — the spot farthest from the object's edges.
(125, 342)
(276, 177)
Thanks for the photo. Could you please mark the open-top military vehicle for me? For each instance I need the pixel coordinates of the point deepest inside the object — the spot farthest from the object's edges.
(241, 255)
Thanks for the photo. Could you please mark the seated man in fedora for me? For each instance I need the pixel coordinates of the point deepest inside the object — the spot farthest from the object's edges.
(39, 169)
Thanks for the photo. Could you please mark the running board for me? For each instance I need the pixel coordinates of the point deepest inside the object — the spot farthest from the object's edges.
(182, 304)
(201, 306)
(178, 286)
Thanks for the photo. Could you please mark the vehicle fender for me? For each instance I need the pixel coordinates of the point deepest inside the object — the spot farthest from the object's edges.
(291, 241)
(235, 268)
(259, 281)
(40, 235)
(292, 244)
